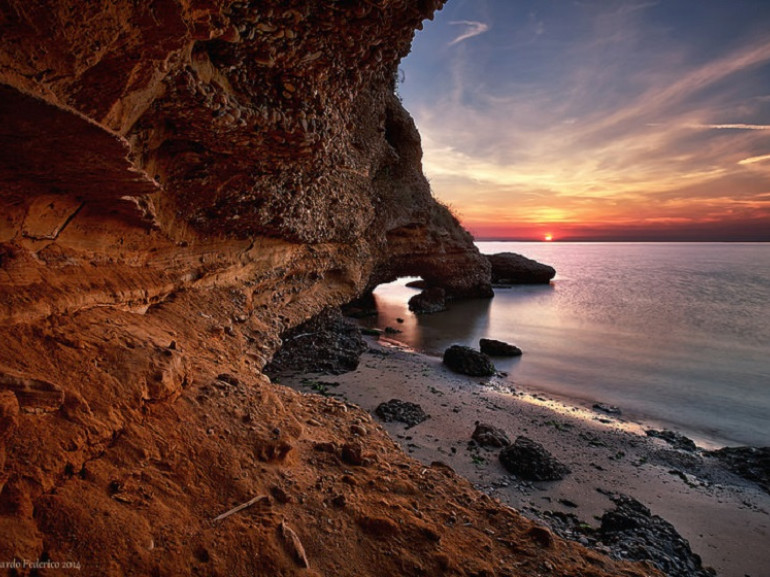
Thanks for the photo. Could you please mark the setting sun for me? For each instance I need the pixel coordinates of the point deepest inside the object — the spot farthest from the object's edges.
(549, 237)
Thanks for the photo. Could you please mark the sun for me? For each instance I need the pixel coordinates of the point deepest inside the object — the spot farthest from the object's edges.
(548, 237)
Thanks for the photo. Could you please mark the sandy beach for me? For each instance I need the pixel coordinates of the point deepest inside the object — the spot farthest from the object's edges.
(725, 518)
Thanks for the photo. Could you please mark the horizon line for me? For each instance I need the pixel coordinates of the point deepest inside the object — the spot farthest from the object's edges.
(620, 239)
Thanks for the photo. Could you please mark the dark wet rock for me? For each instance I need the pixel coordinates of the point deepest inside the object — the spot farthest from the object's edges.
(327, 343)
(401, 411)
(609, 409)
(529, 460)
(512, 268)
(633, 533)
(431, 300)
(418, 284)
(752, 463)
(495, 348)
(688, 461)
(362, 307)
(467, 361)
(490, 436)
(676, 440)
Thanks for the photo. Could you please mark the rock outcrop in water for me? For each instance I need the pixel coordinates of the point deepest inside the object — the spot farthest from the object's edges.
(183, 182)
(512, 268)
(495, 348)
(431, 300)
(468, 361)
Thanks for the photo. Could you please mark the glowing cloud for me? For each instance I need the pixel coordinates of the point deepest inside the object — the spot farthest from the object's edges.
(754, 159)
(737, 126)
(472, 29)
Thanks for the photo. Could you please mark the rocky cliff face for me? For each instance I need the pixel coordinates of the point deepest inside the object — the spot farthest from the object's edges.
(181, 181)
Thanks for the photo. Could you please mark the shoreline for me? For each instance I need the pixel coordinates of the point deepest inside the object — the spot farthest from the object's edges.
(627, 420)
(725, 518)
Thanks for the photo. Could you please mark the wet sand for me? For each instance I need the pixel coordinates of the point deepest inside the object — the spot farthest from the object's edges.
(725, 518)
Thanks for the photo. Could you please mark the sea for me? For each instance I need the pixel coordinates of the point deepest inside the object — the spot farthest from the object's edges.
(676, 335)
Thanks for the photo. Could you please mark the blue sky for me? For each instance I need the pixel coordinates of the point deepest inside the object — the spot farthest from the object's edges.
(600, 119)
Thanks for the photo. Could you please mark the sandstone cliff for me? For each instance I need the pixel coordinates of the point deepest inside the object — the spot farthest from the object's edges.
(181, 181)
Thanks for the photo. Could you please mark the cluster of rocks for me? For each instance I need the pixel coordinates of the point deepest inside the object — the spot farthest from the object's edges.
(468, 361)
(506, 268)
(327, 343)
(490, 436)
(631, 532)
(628, 532)
(525, 458)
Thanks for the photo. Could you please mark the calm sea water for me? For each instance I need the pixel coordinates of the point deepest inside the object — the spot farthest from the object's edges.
(675, 334)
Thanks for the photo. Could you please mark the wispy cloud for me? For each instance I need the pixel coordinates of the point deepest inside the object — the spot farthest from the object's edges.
(754, 159)
(736, 126)
(472, 28)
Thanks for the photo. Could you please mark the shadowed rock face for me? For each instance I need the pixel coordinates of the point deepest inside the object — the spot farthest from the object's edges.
(197, 127)
(181, 182)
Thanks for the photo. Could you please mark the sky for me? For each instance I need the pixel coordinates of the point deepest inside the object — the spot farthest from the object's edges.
(597, 119)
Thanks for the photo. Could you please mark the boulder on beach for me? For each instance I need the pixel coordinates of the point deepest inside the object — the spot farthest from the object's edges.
(529, 460)
(490, 436)
(431, 300)
(512, 268)
(401, 411)
(468, 361)
(495, 348)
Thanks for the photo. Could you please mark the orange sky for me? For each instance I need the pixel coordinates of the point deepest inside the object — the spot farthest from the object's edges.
(610, 120)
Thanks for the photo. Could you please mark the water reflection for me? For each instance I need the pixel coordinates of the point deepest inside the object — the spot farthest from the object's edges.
(672, 333)
(430, 333)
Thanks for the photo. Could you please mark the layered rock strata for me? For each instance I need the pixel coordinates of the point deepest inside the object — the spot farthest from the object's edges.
(181, 182)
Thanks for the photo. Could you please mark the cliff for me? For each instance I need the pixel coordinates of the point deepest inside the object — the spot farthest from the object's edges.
(182, 181)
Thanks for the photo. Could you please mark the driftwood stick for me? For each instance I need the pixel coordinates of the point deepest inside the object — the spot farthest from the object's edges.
(301, 335)
(240, 507)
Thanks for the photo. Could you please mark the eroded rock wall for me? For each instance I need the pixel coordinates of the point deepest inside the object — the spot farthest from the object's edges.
(180, 183)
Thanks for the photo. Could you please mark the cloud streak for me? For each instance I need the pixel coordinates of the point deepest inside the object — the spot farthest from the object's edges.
(754, 159)
(473, 28)
(736, 126)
